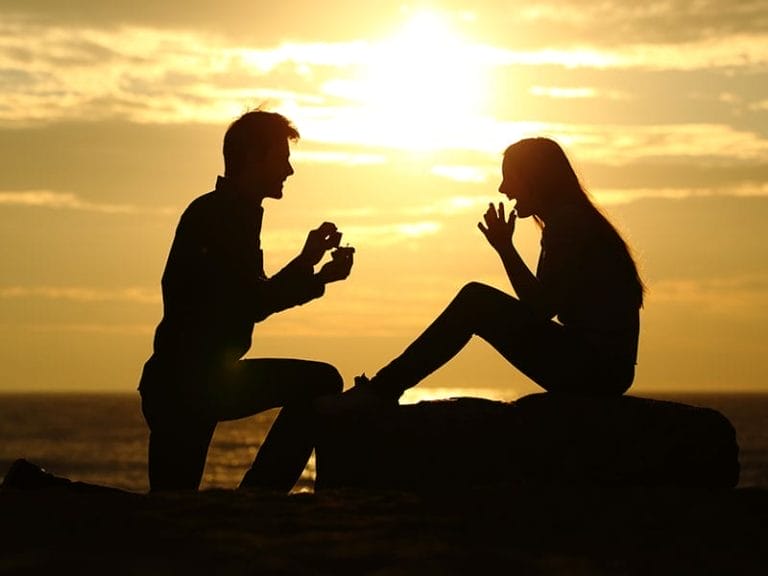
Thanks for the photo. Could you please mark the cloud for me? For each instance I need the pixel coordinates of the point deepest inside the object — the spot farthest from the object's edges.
(578, 92)
(157, 75)
(618, 22)
(69, 201)
(393, 233)
(732, 51)
(549, 20)
(623, 195)
(616, 144)
(716, 295)
(367, 308)
(561, 92)
(252, 21)
(398, 231)
(347, 158)
(171, 76)
(137, 295)
(106, 329)
(611, 144)
(472, 174)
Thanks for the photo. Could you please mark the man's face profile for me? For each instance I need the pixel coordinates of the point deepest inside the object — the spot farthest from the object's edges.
(269, 170)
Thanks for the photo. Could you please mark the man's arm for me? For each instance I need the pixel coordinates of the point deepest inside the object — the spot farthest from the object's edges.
(297, 282)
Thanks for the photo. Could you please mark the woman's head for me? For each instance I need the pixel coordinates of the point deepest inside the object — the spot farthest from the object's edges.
(537, 174)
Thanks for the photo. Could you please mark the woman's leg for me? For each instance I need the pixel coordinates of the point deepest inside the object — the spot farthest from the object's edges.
(536, 346)
(257, 385)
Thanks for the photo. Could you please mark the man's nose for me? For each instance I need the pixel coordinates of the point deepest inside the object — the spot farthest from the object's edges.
(290, 170)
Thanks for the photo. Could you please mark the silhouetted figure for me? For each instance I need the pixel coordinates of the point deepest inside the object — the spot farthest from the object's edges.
(585, 277)
(214, 291)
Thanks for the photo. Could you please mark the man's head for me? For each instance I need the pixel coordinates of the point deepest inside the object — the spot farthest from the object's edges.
(256, 152)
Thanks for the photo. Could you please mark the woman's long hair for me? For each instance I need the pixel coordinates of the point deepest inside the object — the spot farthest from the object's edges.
(545, 170)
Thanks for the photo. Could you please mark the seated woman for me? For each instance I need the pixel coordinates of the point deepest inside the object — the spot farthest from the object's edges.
(586, 279)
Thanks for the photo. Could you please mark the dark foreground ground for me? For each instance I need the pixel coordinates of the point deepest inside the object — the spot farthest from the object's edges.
(513, 531)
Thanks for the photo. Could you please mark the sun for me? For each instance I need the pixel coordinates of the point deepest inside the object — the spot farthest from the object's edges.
(427, 66)
(417, 88)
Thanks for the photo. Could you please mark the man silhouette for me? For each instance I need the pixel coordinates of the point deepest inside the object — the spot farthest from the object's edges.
(214, 291)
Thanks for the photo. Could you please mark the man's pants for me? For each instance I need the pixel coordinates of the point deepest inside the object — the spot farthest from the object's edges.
(181, 429)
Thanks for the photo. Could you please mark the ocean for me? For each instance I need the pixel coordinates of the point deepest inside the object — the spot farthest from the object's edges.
(102, 438)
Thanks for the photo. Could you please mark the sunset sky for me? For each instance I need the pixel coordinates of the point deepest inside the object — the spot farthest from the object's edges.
(112, 115)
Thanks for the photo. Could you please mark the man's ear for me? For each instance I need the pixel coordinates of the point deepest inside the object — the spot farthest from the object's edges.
(254, 156)
(248, 157)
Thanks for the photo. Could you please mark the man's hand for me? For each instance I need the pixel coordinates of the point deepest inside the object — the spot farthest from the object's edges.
(498, 230)
(339, 267)
(320, 240)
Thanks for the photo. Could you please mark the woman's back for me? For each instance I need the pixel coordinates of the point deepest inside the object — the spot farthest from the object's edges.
(591, 280)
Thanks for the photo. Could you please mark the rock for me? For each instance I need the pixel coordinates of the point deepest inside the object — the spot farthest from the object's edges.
(542, 438)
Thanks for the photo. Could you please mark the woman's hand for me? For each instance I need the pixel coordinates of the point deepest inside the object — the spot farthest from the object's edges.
(498, 230)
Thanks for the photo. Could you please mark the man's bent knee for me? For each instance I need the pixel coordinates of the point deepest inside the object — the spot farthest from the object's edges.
(328, 380)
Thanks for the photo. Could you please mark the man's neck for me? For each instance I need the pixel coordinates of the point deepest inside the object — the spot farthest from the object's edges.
(244, 192)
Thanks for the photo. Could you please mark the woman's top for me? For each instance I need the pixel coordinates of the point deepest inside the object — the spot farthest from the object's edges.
(588, 275)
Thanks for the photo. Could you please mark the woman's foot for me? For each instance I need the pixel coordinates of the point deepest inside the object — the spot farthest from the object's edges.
(364, 385)
(366, 394)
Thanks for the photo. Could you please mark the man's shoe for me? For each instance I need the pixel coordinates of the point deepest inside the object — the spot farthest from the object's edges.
(23, 475)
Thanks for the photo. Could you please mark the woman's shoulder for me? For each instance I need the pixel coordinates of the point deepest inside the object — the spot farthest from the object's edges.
(572, 225)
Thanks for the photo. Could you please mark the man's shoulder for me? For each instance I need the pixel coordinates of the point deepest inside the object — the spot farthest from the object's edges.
(201, 214)
(207, 200)
(202, 206)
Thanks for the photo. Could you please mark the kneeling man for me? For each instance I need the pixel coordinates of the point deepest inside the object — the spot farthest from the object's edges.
(214, 291)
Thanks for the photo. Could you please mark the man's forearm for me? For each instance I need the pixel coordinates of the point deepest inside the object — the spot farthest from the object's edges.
(295, 284)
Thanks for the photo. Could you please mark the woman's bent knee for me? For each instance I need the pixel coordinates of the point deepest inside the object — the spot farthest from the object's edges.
(479, 293)
(474, 290)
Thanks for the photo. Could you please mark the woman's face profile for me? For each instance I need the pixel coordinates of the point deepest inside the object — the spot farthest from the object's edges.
(513, 187)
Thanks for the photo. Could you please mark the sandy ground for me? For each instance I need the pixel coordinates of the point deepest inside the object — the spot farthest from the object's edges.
(521, 531)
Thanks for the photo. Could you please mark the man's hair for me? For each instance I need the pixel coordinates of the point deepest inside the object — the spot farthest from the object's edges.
(257, 131)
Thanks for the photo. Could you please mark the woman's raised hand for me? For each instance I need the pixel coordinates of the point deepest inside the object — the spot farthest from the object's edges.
(498, 230)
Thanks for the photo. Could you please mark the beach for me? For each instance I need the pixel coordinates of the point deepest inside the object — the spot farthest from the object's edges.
(494, 529)
(531, 530)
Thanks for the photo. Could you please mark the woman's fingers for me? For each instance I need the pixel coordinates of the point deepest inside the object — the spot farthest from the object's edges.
(490, 214)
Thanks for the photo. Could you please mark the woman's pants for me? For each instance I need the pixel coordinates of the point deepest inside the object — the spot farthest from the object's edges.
(540, 348)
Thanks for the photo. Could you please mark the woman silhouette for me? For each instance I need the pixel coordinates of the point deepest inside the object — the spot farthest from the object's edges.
(585, 277)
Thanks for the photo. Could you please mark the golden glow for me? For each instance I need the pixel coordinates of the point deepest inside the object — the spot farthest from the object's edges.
(427, 394)
(419, 88)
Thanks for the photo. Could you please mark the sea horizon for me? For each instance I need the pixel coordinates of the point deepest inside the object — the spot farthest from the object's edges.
(100, 437)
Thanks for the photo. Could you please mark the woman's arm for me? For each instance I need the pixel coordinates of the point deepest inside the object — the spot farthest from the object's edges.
(499, 230)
